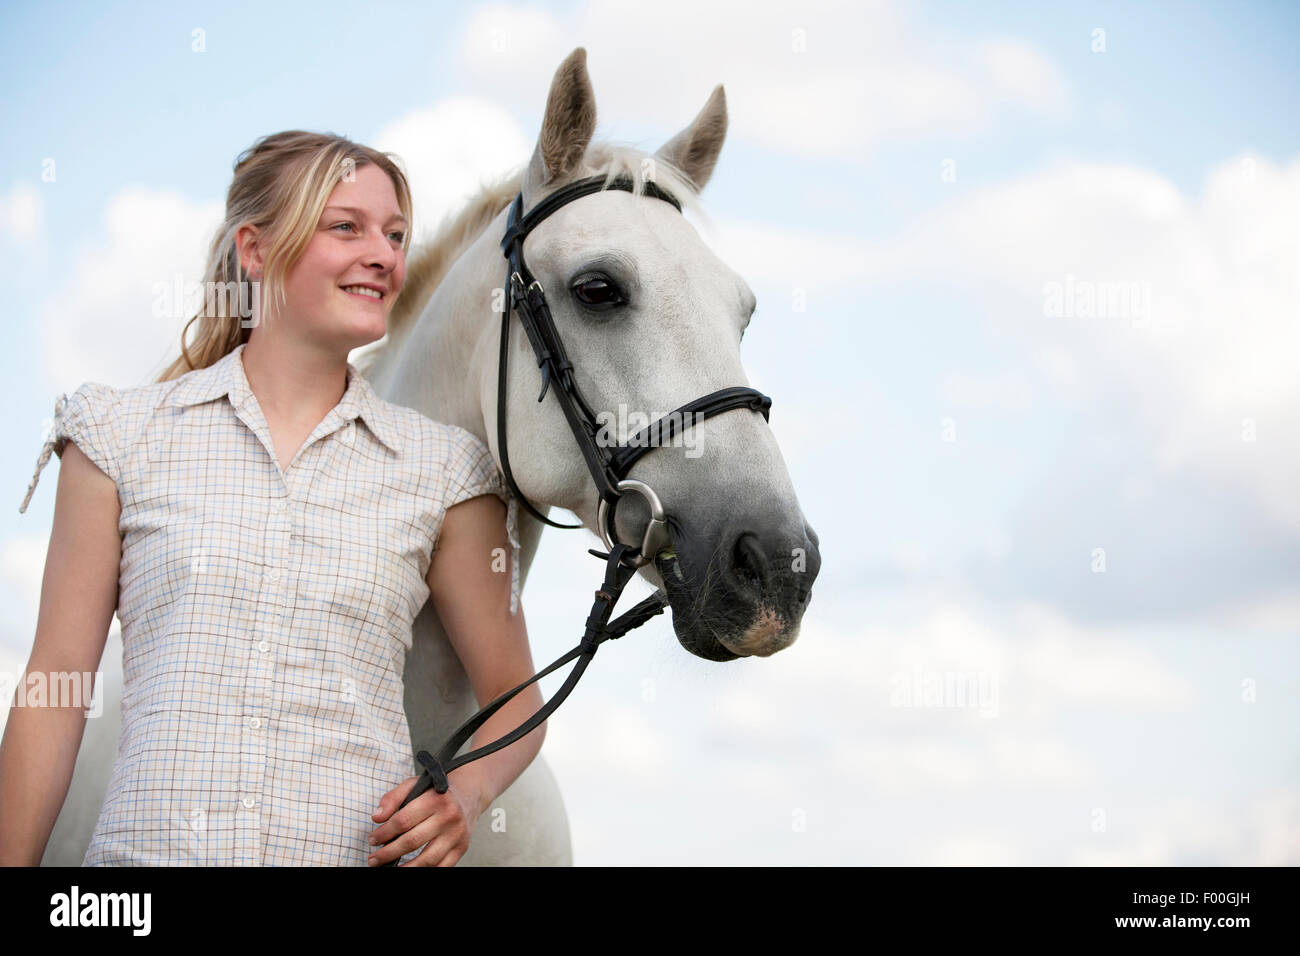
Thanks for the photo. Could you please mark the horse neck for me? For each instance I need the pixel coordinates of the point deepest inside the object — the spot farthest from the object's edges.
(442, 365)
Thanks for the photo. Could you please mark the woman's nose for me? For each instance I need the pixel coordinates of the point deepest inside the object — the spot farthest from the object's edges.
(380, 252)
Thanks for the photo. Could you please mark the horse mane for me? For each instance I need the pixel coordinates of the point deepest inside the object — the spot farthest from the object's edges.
(429, 261)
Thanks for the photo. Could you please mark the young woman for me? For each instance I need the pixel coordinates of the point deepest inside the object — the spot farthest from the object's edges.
(266, 529)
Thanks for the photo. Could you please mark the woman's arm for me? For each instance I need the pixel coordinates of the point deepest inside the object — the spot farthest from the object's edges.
(78, 598)
(470, 586)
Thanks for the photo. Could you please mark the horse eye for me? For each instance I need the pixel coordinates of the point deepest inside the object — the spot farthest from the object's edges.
(597, 292)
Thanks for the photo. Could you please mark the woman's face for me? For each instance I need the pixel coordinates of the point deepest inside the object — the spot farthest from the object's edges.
(358, 242)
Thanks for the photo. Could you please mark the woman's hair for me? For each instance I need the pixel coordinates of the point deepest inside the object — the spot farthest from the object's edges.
(281, 185)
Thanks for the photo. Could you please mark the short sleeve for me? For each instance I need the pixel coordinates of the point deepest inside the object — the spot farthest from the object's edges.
(470, 471)
(86, 417)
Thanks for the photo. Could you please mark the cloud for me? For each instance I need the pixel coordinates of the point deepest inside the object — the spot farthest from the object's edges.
(1012, 391)
(1205, 345)
(625, 741)
(805, 259)
(22, 564)
(1176, 401)
(1087, 717)
(100, 326)
(1192, 831)
(449, 150)
(1021, 73)
(974, 849)
(1278, 612)
(1002, 679)
(820, 79)
(21, 213)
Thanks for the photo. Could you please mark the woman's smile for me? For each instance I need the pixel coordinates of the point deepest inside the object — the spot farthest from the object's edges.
(363, 292)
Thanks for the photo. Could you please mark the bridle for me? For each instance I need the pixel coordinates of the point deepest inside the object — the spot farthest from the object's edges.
(608, 466)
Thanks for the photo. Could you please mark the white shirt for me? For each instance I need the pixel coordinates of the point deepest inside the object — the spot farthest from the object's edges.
(266, 614)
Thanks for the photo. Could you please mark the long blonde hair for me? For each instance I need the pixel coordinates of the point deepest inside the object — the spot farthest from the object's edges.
(281, 185)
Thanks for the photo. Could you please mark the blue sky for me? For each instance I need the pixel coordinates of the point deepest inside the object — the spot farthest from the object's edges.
(1168, 159)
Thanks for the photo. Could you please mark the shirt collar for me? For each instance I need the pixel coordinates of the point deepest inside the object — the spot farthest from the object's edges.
(226, 377)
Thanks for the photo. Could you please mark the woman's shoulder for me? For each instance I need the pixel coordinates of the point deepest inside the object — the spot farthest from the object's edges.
(100, 397)
(120, 413)
(433, 440)
(100, 419)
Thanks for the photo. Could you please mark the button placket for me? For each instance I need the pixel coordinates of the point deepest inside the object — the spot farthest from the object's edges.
(259, 702)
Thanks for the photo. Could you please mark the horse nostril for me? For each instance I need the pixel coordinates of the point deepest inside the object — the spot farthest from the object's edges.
(749, 565)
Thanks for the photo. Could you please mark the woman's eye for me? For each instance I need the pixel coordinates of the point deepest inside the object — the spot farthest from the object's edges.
(398, 236)
(597, 292)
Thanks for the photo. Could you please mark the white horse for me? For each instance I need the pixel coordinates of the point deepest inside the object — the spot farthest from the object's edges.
(745, 556)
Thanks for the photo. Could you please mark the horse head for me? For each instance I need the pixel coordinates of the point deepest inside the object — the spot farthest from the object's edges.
(650, 319)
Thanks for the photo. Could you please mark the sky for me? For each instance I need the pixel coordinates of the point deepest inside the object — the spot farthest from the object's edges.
(1058, 611)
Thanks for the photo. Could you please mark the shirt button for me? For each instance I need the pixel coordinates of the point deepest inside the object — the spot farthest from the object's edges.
(249, 803)
(280, 504)
(254, 722)
(347, 434)
(263, 646)
(273, 574)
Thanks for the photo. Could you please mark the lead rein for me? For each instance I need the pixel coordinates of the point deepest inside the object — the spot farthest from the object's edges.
(617, 574)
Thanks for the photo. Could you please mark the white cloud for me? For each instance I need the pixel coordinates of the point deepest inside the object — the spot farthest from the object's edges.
(1204, 345)
(101, 326)
(624, 742)
(1012, 392)
(975, 849)
(1213, 362)
(22, 567)
(815, 728)
(1022, 73)
(21, 212)
(1069, 665)
(820, 78)
(803, 258)
(1195, 831)
(1006, 677)
(1274, 613)
(449, 150)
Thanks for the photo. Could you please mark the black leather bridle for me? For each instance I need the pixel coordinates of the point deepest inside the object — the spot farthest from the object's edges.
(608, 466)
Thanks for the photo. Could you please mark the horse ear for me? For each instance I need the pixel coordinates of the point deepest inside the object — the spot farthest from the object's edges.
(695, 149)
(567, 127)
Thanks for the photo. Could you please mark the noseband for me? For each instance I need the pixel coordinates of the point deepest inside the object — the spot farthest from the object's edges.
(608, 465)
(608, 469)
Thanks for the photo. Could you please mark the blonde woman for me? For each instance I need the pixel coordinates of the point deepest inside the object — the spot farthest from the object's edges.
(266, 529)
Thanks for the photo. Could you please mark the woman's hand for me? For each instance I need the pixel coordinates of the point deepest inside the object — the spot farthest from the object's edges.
(444, 821)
